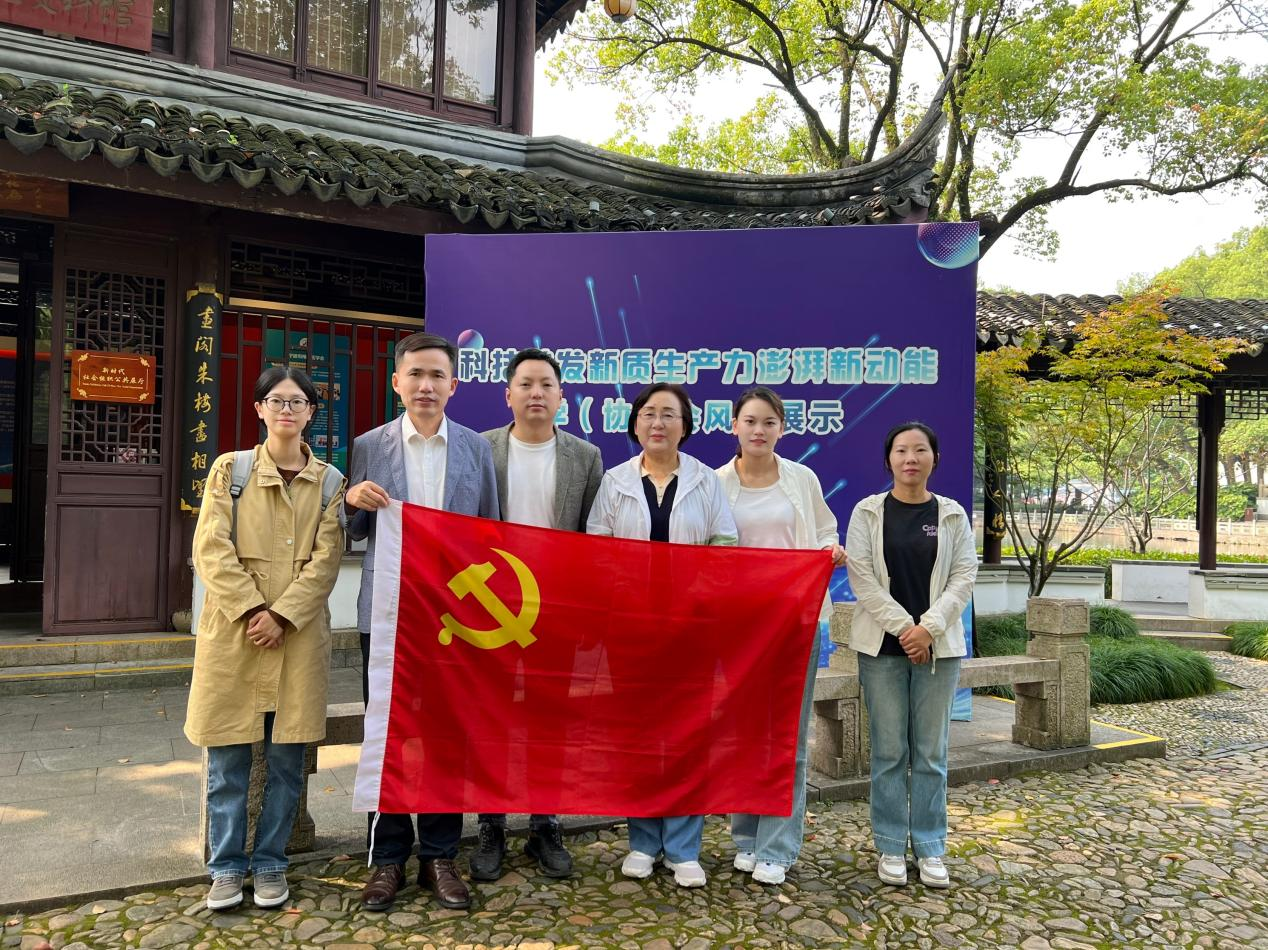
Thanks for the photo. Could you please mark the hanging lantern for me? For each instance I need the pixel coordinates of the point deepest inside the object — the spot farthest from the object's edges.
(620, 10)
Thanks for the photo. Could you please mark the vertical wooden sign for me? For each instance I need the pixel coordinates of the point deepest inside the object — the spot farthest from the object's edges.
(200, 406)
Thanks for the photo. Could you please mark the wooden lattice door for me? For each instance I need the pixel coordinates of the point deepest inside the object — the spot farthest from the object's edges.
(109, 511)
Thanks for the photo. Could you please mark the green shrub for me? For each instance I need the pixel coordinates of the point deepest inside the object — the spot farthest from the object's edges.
(1100, 557)
(1142, 671)
(1232, 502)
(1249, 639)
(1113, 623)
(1126, 668)
(1000, 634)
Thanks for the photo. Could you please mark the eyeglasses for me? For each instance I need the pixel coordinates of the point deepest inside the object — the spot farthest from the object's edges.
(669, 418)
(277, 403)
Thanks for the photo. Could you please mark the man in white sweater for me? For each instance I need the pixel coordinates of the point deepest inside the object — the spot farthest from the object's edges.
(546, 478)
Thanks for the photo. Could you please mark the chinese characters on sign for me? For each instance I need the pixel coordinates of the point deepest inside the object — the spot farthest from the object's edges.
(768, 366)
(119, 22)
(200, 407)
(112, 377)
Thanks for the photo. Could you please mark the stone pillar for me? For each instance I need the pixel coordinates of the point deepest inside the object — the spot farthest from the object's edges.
(839, 744)
(304, 832)
(1054, 714)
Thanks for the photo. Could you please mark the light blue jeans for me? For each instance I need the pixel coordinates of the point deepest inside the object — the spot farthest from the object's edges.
(228, 775)
(909, 708)
(778, 840)
(677, 838)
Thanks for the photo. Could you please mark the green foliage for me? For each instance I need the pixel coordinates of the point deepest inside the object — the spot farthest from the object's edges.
(1000, 634)
(1249, 639)
(1091, 423)
(1112, 623)
(1101, 557)
(1143, 671)
(1127, 84)
(744, 144)
(1233, 500)
(1126, 668)
(1237, 268)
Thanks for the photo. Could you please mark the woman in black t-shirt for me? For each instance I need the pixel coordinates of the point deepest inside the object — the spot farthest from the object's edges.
(912, 564)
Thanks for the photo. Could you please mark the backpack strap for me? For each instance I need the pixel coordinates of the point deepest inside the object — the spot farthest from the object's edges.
(331, 481)
(242, 461)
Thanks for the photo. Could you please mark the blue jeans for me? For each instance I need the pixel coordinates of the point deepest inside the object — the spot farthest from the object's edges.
(228, 775)
(778, 840)
(678, 839)
(909, 708)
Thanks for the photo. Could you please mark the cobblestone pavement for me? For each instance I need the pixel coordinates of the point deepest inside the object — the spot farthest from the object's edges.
(1240, 670)
(1150, 853)
(1146, 854)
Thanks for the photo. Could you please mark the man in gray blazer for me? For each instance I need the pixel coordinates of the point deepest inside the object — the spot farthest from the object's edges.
(424, 458)
(546, 478)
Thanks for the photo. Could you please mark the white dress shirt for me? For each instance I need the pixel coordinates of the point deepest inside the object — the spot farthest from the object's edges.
(425, 463)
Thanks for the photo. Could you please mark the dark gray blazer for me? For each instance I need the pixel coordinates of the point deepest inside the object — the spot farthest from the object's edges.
(578, 473)
(470, 487)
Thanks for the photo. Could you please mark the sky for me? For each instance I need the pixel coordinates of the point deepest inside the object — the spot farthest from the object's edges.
(1102, 242)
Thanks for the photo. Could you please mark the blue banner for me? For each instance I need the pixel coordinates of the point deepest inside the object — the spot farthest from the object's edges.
(857, 329)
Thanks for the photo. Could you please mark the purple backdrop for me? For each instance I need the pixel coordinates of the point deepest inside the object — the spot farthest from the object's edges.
(857, 328)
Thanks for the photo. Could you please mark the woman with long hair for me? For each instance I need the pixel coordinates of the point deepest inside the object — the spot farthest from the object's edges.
(777, 503)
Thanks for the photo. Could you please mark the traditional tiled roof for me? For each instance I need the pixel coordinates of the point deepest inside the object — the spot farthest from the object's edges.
(553, 16)
(1003, 319)
(182, 138)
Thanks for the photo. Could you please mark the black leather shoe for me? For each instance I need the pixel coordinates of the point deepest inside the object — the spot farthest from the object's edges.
(486, 860)
(546, 847)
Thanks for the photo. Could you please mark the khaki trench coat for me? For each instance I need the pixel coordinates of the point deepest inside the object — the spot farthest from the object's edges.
(287, 558)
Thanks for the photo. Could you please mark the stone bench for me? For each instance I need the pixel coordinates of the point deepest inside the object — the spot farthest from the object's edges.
(1052, 683)
(344, 726)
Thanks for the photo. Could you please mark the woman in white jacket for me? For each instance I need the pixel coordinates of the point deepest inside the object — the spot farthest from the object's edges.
(912, 564)
(663, 495)
(776, 504)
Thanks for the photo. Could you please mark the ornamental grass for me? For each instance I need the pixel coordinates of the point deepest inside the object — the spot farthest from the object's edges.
(1249, 639)
(1126, 667)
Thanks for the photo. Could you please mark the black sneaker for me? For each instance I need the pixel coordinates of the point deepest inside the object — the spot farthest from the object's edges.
(547, 848)
(486, 861)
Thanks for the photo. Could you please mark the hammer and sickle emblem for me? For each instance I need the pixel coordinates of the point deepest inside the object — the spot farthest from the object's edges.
(473, 580)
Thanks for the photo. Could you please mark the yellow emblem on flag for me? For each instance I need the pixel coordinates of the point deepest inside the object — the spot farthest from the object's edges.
(473, 580)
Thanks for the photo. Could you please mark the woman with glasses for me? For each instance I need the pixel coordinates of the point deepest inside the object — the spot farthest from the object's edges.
(663, 494)
(268, 560)
(777, 503)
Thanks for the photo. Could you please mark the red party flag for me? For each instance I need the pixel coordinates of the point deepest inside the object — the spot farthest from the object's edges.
(522, 669)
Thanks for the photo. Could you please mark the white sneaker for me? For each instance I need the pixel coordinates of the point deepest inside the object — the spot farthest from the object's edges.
(638, 864)
(933, 873)
(769, 873)
(745, 861)
(687, 873)
(892, 869)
